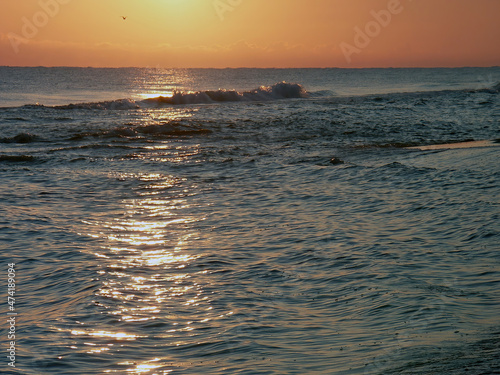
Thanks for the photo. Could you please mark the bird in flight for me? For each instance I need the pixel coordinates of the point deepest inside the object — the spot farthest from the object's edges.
(124, 17)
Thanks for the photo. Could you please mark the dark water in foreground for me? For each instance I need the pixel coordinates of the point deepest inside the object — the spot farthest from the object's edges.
(218, 238)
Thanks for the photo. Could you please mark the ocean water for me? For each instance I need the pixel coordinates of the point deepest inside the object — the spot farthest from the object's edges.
(226, 222)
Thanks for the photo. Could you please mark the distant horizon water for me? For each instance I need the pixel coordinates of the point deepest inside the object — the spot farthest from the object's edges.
(59, 86)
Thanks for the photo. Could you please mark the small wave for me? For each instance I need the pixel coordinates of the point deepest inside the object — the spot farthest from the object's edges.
(31, 106)
(171, 129)
(492, 89)
(16, 158)
(384, 145)
(153, 130)
(20, 138)
(16, 119)
(321, 94)
(120, 104)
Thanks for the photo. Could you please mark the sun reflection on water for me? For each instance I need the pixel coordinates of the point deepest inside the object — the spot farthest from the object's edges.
(154, 82)
(144, 367)
(114, 335)
(155, 94)
(145, 273)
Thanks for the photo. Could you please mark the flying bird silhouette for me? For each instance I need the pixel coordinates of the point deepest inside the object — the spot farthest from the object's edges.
(124, 17)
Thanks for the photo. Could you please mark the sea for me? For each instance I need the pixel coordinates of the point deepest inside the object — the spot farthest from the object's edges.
(250, 221)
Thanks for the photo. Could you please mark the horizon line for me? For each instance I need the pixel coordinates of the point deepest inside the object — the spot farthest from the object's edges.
(248, 67)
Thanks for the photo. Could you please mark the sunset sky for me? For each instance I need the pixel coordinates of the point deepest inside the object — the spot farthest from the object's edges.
(250, 33)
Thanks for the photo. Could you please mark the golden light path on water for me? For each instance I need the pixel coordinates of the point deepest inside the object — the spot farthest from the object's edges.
(155, 82)
(145, 249)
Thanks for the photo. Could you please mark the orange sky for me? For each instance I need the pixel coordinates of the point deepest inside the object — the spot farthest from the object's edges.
(250, 33)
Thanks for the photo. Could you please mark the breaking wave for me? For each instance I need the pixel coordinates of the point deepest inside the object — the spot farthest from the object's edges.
(278, 91)
(282, 90)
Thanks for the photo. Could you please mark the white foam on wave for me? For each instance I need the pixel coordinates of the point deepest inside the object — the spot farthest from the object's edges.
(282, 90)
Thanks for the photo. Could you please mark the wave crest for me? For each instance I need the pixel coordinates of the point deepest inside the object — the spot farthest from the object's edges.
(16, 158)
(161, 130)
(282, 90)
(122, 104)
(20, 138)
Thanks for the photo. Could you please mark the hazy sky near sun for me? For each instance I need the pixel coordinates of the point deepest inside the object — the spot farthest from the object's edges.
(250, 33)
